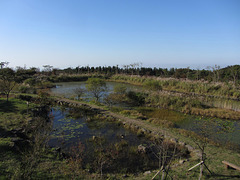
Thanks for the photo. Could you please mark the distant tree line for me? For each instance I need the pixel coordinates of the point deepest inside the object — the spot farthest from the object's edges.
(214, 73)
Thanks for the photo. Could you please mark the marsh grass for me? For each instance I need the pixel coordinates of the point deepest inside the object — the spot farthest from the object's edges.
(185, 86)
(132, 113)
(49, 166)
(222, 103)
(162, 114)
(216, 112)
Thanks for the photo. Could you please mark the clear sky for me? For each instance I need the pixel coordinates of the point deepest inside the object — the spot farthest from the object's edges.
(157, 33)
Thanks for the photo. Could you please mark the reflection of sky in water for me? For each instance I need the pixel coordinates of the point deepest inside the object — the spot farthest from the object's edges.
(68, 132)
(233, 136)
(189, 123)
(67, 88)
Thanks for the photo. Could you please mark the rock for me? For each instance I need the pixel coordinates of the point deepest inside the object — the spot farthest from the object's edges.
(143, 130)
(155, 133)
(149, 132)
(173, 140)
(175, 165)
(181, 161)
(167, 137)
(146, 173)
(142, 149)
(136, 127)
(19, 129)
(190, 148)
(181, 143)
(198, 153)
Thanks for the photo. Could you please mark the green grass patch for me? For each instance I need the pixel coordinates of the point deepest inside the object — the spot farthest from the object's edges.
(162, 114)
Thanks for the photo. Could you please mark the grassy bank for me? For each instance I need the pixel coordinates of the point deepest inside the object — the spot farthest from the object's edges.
(191, 97)
(184, 86)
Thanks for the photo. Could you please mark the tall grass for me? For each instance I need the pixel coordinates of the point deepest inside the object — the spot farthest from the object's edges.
(185, 86)
(222, 103)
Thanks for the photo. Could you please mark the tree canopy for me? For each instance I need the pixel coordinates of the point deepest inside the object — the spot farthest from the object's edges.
(7, 81)
(96, 87)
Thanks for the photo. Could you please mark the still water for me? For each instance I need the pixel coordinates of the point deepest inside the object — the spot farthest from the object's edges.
(67, 88)
(187, 122)
(213, 127)
(99, 141)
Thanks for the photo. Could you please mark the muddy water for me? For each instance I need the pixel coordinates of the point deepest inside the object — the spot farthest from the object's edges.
(96, 139)
(215, 127)
(187, 122)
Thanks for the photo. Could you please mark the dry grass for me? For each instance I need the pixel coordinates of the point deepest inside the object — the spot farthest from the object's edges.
(216, 112)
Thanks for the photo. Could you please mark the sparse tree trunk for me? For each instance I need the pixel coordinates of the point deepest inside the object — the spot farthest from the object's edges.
(7, 96)
(101, 169)
(201, 171)
(234, 74)
(163, 174)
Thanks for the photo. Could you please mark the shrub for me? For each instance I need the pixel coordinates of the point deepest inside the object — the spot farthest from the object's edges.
(136, 98)
(152, 85)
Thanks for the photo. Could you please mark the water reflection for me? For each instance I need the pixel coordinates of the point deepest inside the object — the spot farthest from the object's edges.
(214, 127)
(67, 88)
(101, 140)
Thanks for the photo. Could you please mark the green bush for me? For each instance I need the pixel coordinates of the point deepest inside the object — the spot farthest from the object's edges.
(136, 98)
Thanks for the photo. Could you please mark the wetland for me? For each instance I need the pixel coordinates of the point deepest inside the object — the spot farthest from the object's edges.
(162, 116)
(126, 127)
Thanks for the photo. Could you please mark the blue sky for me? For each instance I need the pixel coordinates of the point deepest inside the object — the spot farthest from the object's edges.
(157, 33)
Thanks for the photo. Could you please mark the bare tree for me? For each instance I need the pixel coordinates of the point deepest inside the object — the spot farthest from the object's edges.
(198, 74)
(126, 68)
(79, 92)
(216, 72)
(47, 68)
(165, 153)
(207, 128)
(96, 87)
(188, 69)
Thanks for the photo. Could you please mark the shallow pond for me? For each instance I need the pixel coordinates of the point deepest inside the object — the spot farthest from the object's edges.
(214, 127)
(67, 88)
(226, 132)
(182, 121)
(99, 140)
